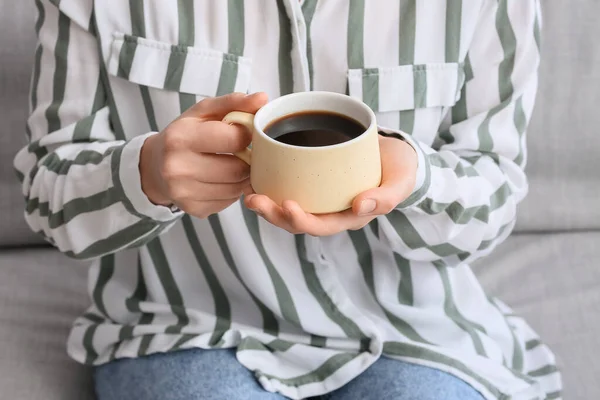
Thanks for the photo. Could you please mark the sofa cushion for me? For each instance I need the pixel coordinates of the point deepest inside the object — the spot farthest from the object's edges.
(564, 167)
(41, 293)
(553, 280)
(17, 46)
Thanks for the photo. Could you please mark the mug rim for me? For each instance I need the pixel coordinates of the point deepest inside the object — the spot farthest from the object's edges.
(339, 96)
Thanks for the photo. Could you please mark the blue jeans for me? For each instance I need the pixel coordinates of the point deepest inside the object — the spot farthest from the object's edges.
(217, 375)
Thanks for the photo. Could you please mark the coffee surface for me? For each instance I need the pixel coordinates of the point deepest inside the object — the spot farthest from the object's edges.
(314, 129)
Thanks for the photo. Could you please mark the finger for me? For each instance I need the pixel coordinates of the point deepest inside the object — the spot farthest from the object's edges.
(204, 209)
(209, 168)
(207, 136)
(184, 190)
(398, 174)
(216, 108)
(322, 224)
(269, 210)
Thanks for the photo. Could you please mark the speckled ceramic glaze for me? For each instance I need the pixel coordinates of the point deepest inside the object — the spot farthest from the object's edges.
(321, 179)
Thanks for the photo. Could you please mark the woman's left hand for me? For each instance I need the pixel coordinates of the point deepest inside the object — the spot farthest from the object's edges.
(399, 170)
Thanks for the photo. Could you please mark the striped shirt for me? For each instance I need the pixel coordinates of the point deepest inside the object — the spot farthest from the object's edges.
(457, 78)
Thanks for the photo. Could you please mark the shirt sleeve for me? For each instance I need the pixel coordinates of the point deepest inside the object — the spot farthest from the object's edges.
(81, 183)
(471, 179)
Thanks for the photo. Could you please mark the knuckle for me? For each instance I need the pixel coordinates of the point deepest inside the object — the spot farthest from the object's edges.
(170, 168)
(175, 139)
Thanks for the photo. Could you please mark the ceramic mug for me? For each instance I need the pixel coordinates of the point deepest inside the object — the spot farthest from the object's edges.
(320, 179)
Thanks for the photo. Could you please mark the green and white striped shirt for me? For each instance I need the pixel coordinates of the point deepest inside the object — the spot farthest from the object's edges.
(306, 314)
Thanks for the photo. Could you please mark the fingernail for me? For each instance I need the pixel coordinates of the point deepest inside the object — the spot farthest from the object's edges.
(367, 207)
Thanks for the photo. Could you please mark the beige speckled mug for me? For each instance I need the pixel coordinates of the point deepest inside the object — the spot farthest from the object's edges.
(321, 179)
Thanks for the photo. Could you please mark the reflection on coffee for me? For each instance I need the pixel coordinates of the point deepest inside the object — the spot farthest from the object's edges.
(314, 129)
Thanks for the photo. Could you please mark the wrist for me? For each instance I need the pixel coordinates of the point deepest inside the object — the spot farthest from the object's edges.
(149, 174)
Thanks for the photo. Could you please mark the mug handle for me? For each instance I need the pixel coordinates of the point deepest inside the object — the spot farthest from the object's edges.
(246, 120)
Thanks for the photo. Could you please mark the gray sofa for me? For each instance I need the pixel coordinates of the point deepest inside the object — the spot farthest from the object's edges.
(549, 270)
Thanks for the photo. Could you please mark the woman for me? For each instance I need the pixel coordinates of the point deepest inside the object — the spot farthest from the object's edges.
(198, 294)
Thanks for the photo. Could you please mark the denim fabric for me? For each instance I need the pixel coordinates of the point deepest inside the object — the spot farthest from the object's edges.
(217, 375)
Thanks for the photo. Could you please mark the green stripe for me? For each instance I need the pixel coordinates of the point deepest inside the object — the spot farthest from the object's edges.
(406, 54)
(520, 121)
(320, 374)
(236, 27)
(374, 225)
(408, 31)
(93, 318)
(187, 37)
(73, 208)
(543, 371)
(499, 197)
(146, 319)
(228, 77)
(105, 273)
(284, 298)
(370, 88)
(149, 108)
(308, 9)
(115, 119)
(229, 65)
(509, 45)
(83, 129)
(505, 70)
(453, 28)
(61, 54)
(320, 294)
(140, 293)
(165, 275)
(318, 341)
(405, 288)
(356, 28)
(420, 86)
(175, 68)
(138, 25)
(38, 54)
(286, 79)
(126, 56)
(88, 345)
(270, 324)
(420, 353)
(532, 344)
(132, 303)
(456, 211)
(517, 361)
(452, 312)
(222, 307)
(60, 166)
(413, 239)
(280, 345)
(116, 241)
(365, 260)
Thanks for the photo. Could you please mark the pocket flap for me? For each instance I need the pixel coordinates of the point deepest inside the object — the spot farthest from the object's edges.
(185, 69)
(407, 87)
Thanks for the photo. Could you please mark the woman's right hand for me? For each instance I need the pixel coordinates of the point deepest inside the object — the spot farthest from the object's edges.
(184, 166)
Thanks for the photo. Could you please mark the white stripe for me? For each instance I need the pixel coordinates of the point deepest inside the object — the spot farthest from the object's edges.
(430, 39)
(330, 63)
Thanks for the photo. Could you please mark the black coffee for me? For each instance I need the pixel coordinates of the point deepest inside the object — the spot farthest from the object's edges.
(314, 129)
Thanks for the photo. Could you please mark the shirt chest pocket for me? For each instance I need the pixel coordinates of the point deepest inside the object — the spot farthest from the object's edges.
(413, 98)
(171, 77)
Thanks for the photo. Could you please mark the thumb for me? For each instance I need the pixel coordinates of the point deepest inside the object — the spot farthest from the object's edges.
(215, 108)
(398, 179)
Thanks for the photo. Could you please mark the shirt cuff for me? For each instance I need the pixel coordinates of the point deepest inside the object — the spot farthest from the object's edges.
(126, 175)
(423, 181)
